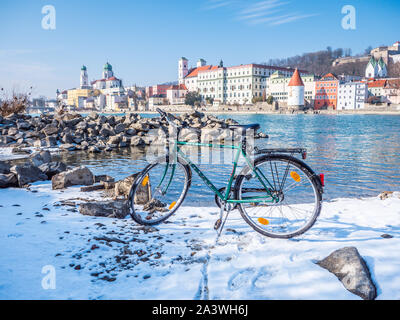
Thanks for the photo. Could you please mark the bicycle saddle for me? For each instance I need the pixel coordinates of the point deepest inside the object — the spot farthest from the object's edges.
(243, 128)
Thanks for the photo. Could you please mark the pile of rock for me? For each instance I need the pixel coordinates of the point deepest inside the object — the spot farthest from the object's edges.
(96, 133)
(39, 167)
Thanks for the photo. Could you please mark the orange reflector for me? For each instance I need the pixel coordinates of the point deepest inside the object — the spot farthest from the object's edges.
(145, 181)
(263, 221)
(295, 176)
(172, 205)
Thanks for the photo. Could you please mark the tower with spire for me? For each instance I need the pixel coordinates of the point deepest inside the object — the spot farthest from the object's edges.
(84, 80)
(296, 90)
(107, 71)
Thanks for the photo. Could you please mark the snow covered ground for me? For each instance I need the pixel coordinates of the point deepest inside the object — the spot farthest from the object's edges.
(101, 258)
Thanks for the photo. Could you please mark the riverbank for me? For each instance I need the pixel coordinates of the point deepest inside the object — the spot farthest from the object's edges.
(104, 258)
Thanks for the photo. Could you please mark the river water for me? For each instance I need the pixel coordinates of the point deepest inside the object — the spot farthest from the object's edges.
(359, 154)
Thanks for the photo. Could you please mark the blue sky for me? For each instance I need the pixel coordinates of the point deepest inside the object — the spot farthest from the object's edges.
(143, 40)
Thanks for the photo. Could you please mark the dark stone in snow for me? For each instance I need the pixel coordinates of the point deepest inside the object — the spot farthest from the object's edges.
(350, 268)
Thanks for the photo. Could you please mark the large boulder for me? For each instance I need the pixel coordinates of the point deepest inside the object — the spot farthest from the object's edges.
(49, 130)
(40, 158)
(51, 169)
(350, 268)
(111, 209)
(8, 180)
(123, 188)
(81, 176)
(27, 173)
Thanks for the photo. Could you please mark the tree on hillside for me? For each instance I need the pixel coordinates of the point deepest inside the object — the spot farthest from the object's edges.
(394, 70)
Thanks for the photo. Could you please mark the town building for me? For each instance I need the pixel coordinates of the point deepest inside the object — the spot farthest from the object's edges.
(326, 90)
(391, 91)
(375, 89)
(376, 69)
(352, 95)
(278, 87)
(176, 94)
(228, 85)
(157, 100)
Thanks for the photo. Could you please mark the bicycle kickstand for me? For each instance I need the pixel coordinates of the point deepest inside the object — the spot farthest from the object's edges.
(220, 223)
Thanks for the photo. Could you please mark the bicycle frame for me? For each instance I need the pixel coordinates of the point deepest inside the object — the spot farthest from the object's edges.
(224, 197)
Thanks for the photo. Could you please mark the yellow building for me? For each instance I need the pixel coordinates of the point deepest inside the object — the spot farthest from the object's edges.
(75, 94)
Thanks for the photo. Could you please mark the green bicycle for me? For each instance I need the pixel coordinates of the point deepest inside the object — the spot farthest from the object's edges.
(277, 194)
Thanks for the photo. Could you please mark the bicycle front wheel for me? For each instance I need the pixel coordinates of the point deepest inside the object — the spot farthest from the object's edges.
(159, 191)
(285, 202)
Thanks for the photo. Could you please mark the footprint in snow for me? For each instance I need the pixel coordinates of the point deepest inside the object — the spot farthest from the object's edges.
(240, 279)
(261, 280)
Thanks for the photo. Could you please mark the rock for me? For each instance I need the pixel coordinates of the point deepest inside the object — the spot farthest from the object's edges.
(19, 150)
(27, 173)
(8, 180)
(75, 177)
(385, 195)
(4, 140)
(350, 268)
(110, 209)
(4, 167)
(23, 125)
(123, 187)
(94, 149)
(67, 147)
(106, 130)
(40, 158)
(114, 140)
(95, 187)
(120, 127)
(103, 178)
(52, 168)
(67, 138)
(93, 115)
(386, 236)
(137, 141)
(49, 130)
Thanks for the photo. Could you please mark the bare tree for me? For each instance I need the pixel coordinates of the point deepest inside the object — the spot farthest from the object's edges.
(13, 103)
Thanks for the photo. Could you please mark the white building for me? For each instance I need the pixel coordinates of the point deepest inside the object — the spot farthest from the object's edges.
(231, 85)
(352, 95)
(376, 68)
(278, 87)
(176, 94)
(112, 89)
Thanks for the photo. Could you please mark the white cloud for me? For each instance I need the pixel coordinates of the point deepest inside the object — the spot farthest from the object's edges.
(271, 12)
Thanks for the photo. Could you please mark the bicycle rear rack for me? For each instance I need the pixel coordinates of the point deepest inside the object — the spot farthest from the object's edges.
(290, 151)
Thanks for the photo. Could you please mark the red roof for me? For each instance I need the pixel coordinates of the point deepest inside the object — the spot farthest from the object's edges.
(177, 87)
(329, 77)
(296, 80)
(377, 84)
(195, 72)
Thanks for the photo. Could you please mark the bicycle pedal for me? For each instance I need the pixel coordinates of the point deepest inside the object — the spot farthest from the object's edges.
(217, 224)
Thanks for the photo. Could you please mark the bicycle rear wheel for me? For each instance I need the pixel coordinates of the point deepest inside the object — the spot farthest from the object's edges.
(159, 191)
(293, 200)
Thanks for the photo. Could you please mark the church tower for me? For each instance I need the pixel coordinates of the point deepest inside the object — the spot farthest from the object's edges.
(107, 71)
(84, 81)
(182, 70)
